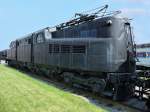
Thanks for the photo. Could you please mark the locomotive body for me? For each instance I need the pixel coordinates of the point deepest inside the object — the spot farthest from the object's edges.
(96, 53)
(99, 47)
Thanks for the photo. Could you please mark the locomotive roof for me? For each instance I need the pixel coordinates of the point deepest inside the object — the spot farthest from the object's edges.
(29, 35)
(99, 14)
(52, 29)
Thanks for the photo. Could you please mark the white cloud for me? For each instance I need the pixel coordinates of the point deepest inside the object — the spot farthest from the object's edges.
(135, 12)
(145, 2)
(140, 1)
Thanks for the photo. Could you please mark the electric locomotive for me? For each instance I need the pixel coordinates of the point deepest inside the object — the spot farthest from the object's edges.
(95, 51)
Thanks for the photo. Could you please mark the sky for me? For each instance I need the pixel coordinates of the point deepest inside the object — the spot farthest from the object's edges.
(21, 17)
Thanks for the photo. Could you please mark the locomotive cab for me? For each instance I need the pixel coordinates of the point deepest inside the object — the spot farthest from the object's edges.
(129, 65)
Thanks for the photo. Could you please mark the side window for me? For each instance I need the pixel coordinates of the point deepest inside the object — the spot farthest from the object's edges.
(93, 33)
(26, 41)
(128, 33)
(48, 34)
(17, 43)
(84, 34)
(88, 33)
(12, 45)
(40, 38)
(20, 43)
(29, 41)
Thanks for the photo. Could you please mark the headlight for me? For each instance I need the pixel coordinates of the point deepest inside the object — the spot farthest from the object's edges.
(109, 22)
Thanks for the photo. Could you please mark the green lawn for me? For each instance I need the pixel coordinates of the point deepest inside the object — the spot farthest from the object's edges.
(21, 93)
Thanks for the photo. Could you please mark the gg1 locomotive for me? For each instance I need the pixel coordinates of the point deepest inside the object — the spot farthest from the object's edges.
(95, 51)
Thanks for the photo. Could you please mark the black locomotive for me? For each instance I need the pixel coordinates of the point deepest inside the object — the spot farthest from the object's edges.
(95, 51)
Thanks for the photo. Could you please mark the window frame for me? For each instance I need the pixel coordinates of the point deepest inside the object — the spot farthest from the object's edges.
(41, 38)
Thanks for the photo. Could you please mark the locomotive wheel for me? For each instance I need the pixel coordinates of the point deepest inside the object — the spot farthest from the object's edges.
(67, 77)
(96, 88)
(121, 92)
(67, 80)
(99, 87)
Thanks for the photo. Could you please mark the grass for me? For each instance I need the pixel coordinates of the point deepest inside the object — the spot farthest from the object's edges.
(21, 93)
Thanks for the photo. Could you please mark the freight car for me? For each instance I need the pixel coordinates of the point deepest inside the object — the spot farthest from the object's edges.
(143, 55)
(143, 68)
(95, 51)
(3, 55)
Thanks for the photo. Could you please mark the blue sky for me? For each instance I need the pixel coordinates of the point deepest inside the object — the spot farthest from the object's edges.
(20, 17)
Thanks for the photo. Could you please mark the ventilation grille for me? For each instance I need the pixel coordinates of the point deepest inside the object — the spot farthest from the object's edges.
(56, 48)
(65, 49)
(78, 49)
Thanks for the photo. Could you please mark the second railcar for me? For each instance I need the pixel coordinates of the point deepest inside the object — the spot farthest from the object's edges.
(3, 55)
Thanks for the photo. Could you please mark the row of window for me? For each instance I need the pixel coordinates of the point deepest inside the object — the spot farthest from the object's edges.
(56, 48)
(39, 38)
(24, 41)
(75, 33)
(12, 45)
